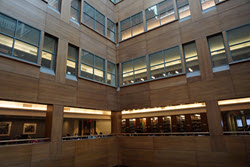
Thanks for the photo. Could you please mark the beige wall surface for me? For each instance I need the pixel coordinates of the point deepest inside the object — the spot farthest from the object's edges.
(103, 126)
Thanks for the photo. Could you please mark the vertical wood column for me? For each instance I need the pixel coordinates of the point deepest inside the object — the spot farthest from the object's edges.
(148, 122)
(204, 125)
(195, 9)
(127, 126)
(61, 61)
(188, 123)
(137, 125)
(174, 123)
(214, 118)
(116, 122)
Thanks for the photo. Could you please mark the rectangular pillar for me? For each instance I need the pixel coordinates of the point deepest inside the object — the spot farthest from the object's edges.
(174, 123)
(116, 122)
(188, 123)
(204, 125)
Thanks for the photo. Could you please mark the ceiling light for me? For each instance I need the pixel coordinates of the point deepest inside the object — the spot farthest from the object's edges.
(234, 101)
(142, 79)
(190, 69)
(176, 72)
(86, 111)
(164, 74)
(153, 77)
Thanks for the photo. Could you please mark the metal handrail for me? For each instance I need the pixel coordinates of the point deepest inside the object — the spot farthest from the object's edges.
(168, 134)
(237, 133)
(84, 137)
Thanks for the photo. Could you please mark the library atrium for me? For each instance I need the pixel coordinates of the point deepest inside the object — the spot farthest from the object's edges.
(124, 83)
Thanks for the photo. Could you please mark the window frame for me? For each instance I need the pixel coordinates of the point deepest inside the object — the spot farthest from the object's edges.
(131, 26)
(59, 6)
(210, 8)
(133, 60)
(103, 70)
(210, 52)
(111, 74)
(95, 20)
(164, 63)
(111, 30)
(15, 38)
(75, 61)
(79, 11)
(226, 32)
(178, 8)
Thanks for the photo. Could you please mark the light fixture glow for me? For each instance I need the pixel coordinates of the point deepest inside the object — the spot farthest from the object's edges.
(86, 111)
(190, 69)
(167, 108)
(234, 101)
(24, 106)
(142, 79)
(153, 77)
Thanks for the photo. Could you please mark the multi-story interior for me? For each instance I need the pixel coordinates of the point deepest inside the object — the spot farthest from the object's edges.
(124, 83)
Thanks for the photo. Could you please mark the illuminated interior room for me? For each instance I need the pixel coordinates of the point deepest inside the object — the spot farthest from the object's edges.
(124, 83)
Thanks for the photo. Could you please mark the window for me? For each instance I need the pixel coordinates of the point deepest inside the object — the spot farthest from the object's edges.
(111, 74)
(160, 14)
(49, 52)
(111, 30)
(115, 1)
(93, 19)
(92, 67)
(191, 57)
(18, 39)
(75, 10)
(55, 4)
(217, 50)
(72, 60)
(239, 42)
(132, 26)
(183, 8)
(206, 4)
(134, 71)
(165, 63)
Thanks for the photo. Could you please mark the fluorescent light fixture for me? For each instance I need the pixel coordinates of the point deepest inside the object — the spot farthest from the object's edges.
(86, 111)
(142, 79)
(167, 108)
(153, 77)
(234, 101)
(190, 69)
(197, 115)
(176, 72)
(132, 81)
(23, 106)
(164, 74)
(182, 116)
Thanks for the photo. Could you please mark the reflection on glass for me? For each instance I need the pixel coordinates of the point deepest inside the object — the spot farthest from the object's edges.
(157, 71)
(128, 78)
(191, 57)
(196, 123)
(127, 66)
(181, 123)
(173, 68)
(7, 25)
(156, 58)
(47, 60)
(111, 68)
(172, 54)
(6, 44)
(239, 42)
(217, 50)
(205, 4)
(55, 4)
(167, 124)
(71, 67)
(140, 63)
(75, 10)
(126, 34)
(99, 75)
(99, 63)
(132, 124)
(183, 8)
(141, 75)
(87, 71)
(111, 30)
(25, 51)
(90, 22)
(167, 17)
(154, 125)
(153, 22)
(111, 79)
(137, 29)
(100, 28)
(88, 58)
(143, 126)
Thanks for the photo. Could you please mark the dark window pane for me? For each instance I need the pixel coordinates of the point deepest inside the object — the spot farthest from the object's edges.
(50, 44)
(136, 19)
(111, 79)
(165, 6)
(87, 71)
(88, 58)
(141, 75)
(125, 24)
(100, 18)
(99, 63)
(88, 21)
(72, 52)
(151, 12)
(75, 15)
(140, 63)
(111, 25)
(156, 58)
(190, 50)
(241, 51)
(89, 10)
(127, 66)
(172, 54)
(157, 71)
(25, 51)
(55, 4)
(238, 35)
(76, 4)
(7, 25)
(99, 75)
(47, 60)
(100, 28)
(173, 68)
(111, 67)
(128, 78)
(28, 34)
(111, 35)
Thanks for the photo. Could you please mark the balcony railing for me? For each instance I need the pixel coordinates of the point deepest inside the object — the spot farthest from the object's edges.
(24, 141)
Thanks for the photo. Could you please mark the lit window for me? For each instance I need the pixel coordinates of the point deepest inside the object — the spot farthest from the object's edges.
(92, 67)
(132, 26)
(93, 19)
(217, 50)
(239, 42)
(111, 30)
(134, 71)
(75, 10)
(111, 74)
(191, 57)
(165, 63)
(206, 4)
(49, 52)
(72, 60)
(55, 4)
(26, 39)
(183, 8)
(160, 14)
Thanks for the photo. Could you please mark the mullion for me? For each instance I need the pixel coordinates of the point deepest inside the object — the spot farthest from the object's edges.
(14, 39)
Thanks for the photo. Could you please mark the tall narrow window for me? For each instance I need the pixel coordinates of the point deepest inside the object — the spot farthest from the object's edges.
(111, 30)
(93, 19)
(217, 50)
(239, 42)
(165, 63)
(56, 4)
(49, 52)
(75, 10)
(205, 4)
(160, 14)
(72, 60)
(26, 39)
(134, 71)
(183, 8)
(191, 57)
(92, 67)
(111, 74)
(132, 26)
